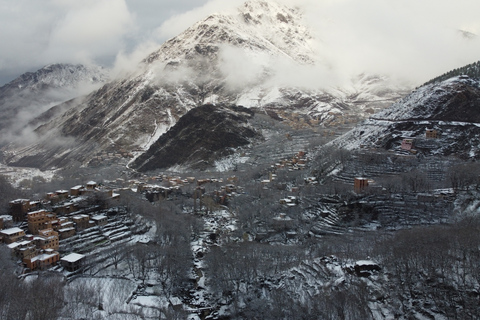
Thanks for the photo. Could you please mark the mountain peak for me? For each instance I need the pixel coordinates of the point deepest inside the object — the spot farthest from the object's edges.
(58, 75)
(257, 26)
(258, 11)
(34, 92)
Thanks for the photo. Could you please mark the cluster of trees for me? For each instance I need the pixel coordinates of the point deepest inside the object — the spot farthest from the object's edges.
(438, 266)
(425, 270)
(472, 70)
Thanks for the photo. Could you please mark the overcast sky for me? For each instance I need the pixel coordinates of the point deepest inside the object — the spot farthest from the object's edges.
(34, 33)
(404, 37)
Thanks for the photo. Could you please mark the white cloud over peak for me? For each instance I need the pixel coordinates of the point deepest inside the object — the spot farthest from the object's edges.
(409, 38)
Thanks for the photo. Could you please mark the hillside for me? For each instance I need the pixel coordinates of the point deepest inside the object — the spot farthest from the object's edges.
(472, 70)
(32, 93)
(451, 108)
(200, 137)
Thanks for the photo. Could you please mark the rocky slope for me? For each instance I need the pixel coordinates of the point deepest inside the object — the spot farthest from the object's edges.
(233, 59)
(200, 137)
(450, 107)
(32, 93)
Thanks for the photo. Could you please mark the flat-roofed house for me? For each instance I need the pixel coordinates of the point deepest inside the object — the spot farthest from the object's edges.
(82, 222)
(23, 249)
(431, 134)
(40, 220)
(77, 191)
(91, 185)
(67, 232)
(100, 220)
(12, 235)
(73, 261)
(42, 261)
(47, 239)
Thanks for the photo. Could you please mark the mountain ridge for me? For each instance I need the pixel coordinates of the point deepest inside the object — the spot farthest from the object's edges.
(202, 65)
(32, 93)
(450, 108)
(201, 136)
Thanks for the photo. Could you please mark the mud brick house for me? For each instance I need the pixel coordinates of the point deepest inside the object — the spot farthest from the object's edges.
(47, 239)
(78, 191)
(81, 221)
(40, 220)
(19, 209)
(23, 250)
(66, 208)
(62, 194)
(431, 134)
(42, 261)
(67, 232)
(91, 185)
(360, 184)
(100, 220)
(12, 235)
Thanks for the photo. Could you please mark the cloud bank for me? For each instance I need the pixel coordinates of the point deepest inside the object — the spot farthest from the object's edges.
(413, 40)
(408, 39)
(36, 33)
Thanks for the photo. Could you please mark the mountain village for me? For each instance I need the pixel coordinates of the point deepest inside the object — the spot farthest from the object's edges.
(188, 189)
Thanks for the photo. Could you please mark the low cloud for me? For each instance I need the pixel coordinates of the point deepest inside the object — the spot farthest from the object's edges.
(409, 39)
(20, 113)
(241, 68)
(36, 33)
(89, 29)
(129, 62)
(406, 39)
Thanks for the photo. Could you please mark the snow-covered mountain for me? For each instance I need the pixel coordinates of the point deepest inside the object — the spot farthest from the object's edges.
(263, 56)
(32, 93)
(451, 109)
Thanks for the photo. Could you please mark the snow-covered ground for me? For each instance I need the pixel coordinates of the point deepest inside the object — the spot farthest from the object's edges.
(17, 174)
